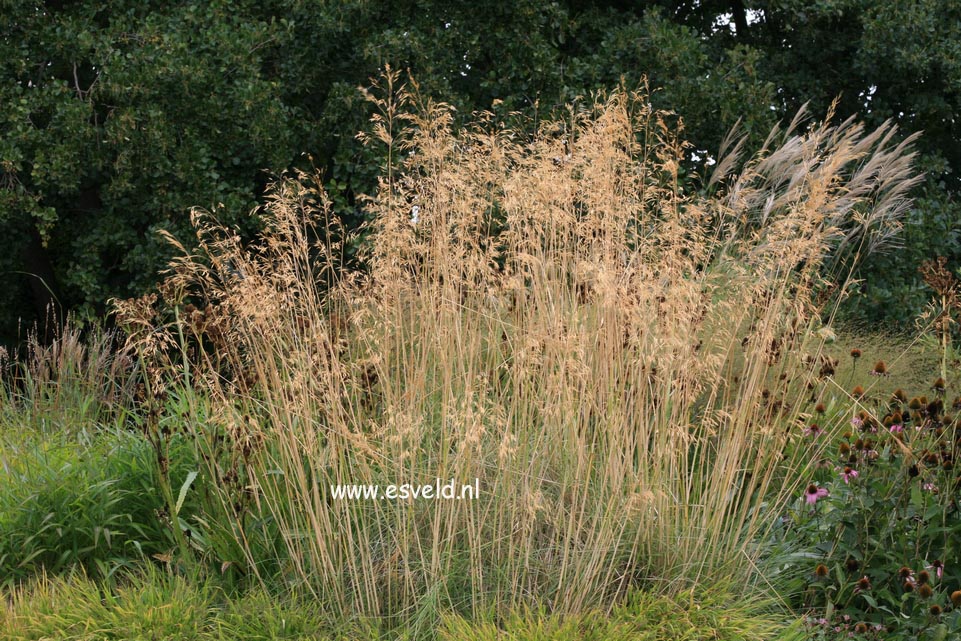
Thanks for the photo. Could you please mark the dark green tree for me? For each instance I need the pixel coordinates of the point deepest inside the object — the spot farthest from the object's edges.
(117, 117)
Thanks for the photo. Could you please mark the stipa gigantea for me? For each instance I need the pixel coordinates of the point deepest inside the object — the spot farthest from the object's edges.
(611, 355)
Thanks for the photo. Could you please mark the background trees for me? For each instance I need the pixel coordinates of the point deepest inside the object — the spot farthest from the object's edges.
(119, 116)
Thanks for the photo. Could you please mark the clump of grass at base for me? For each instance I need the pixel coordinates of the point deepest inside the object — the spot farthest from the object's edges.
(153, 605)
(74, 607)
(643, 617)
(615, 359)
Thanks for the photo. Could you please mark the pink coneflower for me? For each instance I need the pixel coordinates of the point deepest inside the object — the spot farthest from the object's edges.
(813, 430)
(938, 566)
(856, 422)
(813, 493)
(849, 473)
(897, 428)
(930, 487)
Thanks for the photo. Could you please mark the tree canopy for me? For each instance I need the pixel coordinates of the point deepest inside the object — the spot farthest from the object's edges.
(118, 117)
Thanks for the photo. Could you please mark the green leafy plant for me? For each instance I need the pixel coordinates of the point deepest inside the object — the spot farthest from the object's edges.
(877, 532)
(91, 503)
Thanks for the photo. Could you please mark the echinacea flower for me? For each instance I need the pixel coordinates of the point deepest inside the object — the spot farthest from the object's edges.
(880, 369)
(813, 493)
(864, 584)
(813, 430)
(930, 487)
(938, 566)
(848, 473)
(897, 428)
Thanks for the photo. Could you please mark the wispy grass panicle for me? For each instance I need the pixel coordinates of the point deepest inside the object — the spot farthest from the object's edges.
(615, 357)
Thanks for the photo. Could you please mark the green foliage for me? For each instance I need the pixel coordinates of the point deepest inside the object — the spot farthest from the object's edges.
(91, 502)
(148, 604)
(119, 117)
(880, 548)
(644, 617)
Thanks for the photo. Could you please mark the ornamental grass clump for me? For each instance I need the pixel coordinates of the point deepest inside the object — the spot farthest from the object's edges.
(553, 314)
